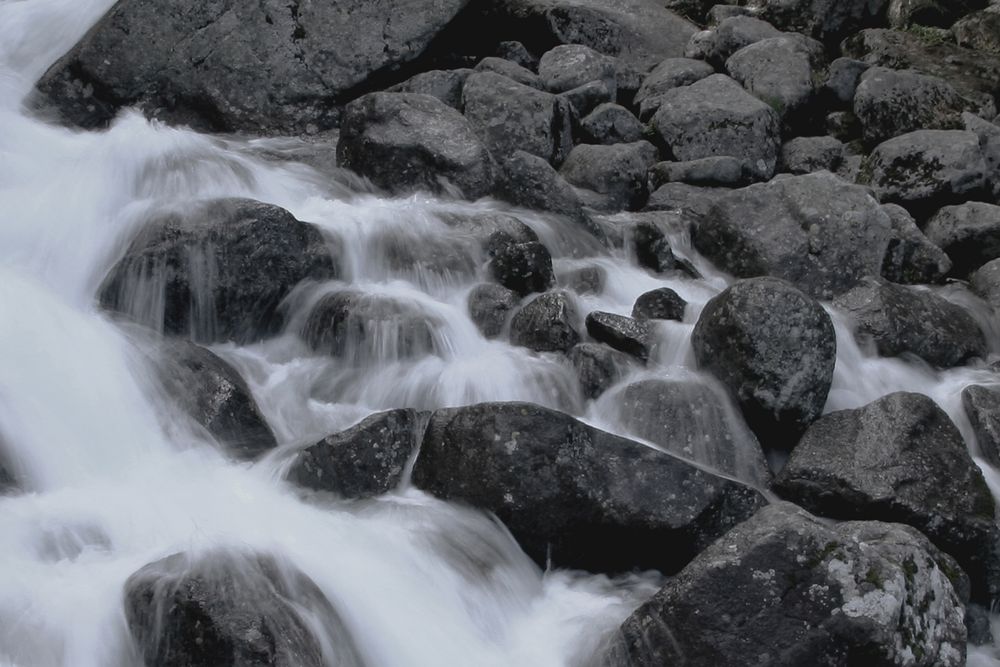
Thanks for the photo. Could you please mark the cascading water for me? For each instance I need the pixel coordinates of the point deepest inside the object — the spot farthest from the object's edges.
(115, 480)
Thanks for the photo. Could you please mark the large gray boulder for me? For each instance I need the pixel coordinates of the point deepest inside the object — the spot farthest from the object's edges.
(610, 124)
(805, 155)
(912, 258)
(407, 141)
(899, 458)
(986, 282)
(444, 84)
(510, 116)
(989, 144)
(669, 74)
(723, 40)
(935, 13)
(826, 20)
(774, 349)
(780, 71)
(980, 30)
(573, 495)
(617, 172)
(982, 407)
(786, 589)
(893, 102)
(969, 233)
(217, 271)
(816, 231)
(261, 67)
(570, 66)
(897, 320)
(716, 116)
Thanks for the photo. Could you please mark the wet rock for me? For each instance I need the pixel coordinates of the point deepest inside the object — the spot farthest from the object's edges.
(816, 231)
(893, 102)
(969, 233)
(483, 225)
(789, 590)
(661, 303)
(618, 172)
(214, 395)
(217, 271)
(625, 334)
(804, 155)
(489, 306)
(366, 460)
(406, 141)
(610, 124)
(521, 267)
(912, 258)
(586, 280)
(982, 406)
(670, 74)
(263, 68)
(722, 171)
(652, 249)
(899, 458)
(927, 167)
(986, 282)
(826, 20)
(689, 419)
(369, 328)
(518, 53)
(572, 65)
(979, 31)
(529, 181)
(715, 116)
(774, 349)
(732, 34)
(781, 72)
(548, 323)
(444, 84)
(235, 610)
(898, 320)
(574, 495)
(510, 70)
(598, 367)
(509, 116)
(842, 81)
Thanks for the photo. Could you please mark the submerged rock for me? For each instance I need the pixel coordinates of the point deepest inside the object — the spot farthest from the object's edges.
(598, 367)
(489, 306)
(661, 303)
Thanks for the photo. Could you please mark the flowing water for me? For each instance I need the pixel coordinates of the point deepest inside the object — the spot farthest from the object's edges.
(115, 479)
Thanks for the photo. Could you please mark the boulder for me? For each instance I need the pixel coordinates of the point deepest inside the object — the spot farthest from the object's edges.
(693, 201)
(732, 34)
(217, 271)
(843, 125)
(570, 66)
(986, 282)
(366, 328)
(670, 74)
(897, 320)
(816, 231)
(989, 144)
(597, 367)
(842, 80)
(938, 13)
(927, 168)
(890, 102)
(911, 258)
(826, 20)
(489, 306)
(266, 67)
(444, 84)
(688, 418)
(511, 70)
(804, 155)
(366, 460)
(722, 171)
(518, 53)
(547, 323)
(610, 124)
(625, 334)
(979, 31)
(781, 72)
(227, 608)
(407, 141)
(618, 172)
(575, 496)
(652, 249)
(982, 407)
(715, 116)
(899, 458)
(787, 589)
(520, 267)
(510, 116)
(584, 99)
(661, 303)
(774, 349)
(969, 233)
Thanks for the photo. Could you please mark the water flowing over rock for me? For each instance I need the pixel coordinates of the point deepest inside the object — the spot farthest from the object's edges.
(660, 304)
(575, 495)
(789, 590)
(269, 66)
(598, 367)
(218, 271)
(489, 306)
(982, 407)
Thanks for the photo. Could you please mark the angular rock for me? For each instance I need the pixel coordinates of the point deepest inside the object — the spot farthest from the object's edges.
(529, 181)
(610, 124)
(898, 320)
(489, 306)
(722, 171)
(618, 172)
(826, 20)
(982, 406)
(548, 323)
(233, 609)
(893, 102)
(989, 144)
(816, 231)
(986, 282)
(518, 53)
(899, 458)
(598, 367)
(444, 84)
(510, 70)
(912, 258)
(732, 34)
(265, 67)
(509, 116)
(584, 99)
(787, 589)
(715, 116)
(780, 72)
(969, 233)
(670, 74)
(572, 65)
(652, 249)
(217, 271)
(625, 334)
(842, 80)
(927, 167)
(804, 155)
(573, 495)
(366, 460)
(522, 267)
(407, 141)
(774, 349)
(661, 303)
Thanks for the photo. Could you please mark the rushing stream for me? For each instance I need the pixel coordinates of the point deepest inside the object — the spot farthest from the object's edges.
(116, 480)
